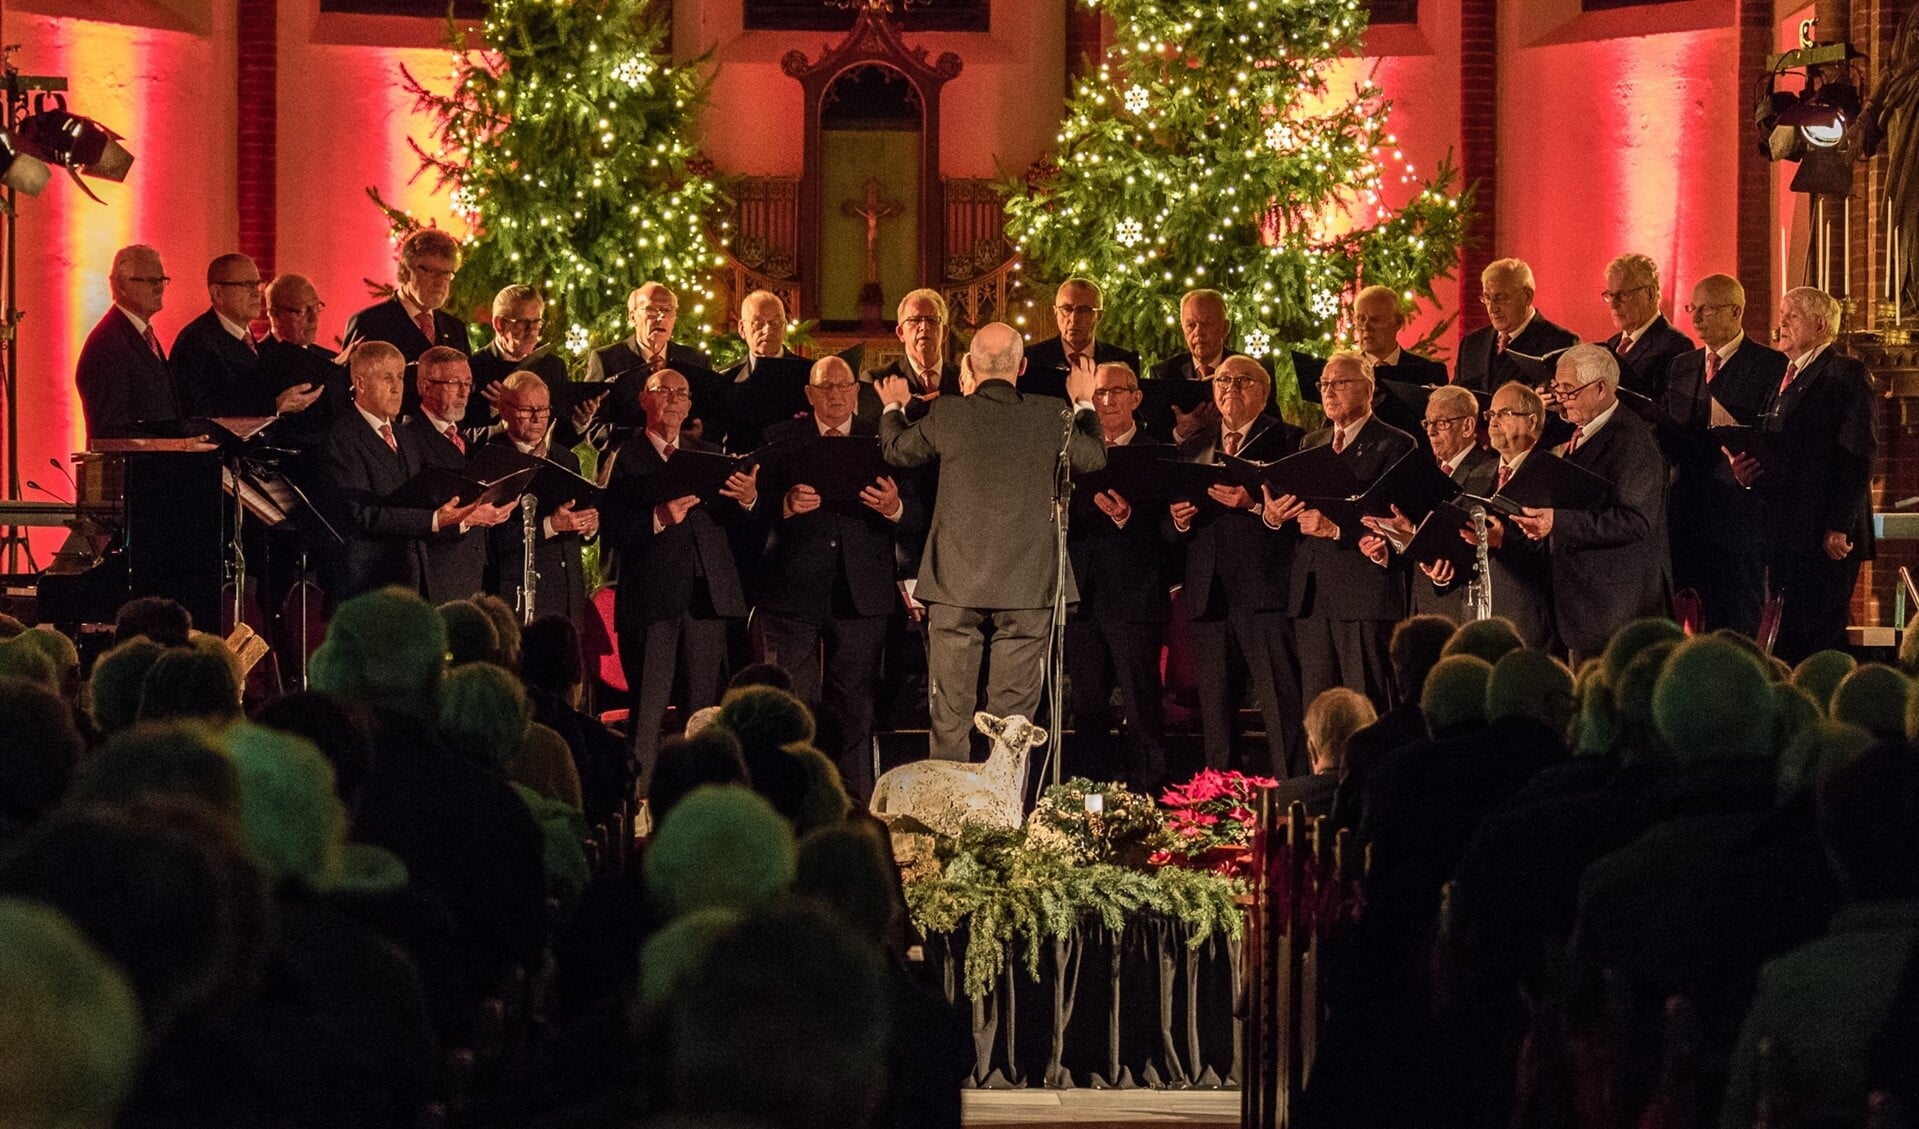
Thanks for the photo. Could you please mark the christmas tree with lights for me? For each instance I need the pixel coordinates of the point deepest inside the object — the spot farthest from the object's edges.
(563, 145)
(1212, 149)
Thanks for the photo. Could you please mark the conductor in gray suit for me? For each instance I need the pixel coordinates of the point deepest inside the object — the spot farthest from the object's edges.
(987, 575)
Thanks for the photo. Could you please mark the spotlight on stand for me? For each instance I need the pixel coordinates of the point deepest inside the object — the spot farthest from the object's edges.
(22, 172)
(1815, 126)
(82, 145)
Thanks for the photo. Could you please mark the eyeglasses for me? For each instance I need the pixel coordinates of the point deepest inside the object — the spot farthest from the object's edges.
(1239, 381)
(291, 311)
(1076, 311)
(1329, 385)
(524, 323)
(656, 308)
(766, 323)
(922, 321)
(1116, 393)
(1496, 297)
(1565, 392)
(1709, 310)
(530, 413)
(433, 272)
(466, 384)
(1508, 414)
(248, 283)
(1612, 296)
(670, 394)
(836, 385)
(1367, 321)
(1436, 424)
(150, 280)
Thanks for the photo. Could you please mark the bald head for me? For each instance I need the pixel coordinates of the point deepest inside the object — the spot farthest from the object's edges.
(997, 353)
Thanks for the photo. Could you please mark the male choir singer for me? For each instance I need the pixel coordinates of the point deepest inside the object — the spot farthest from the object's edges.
(122, 374)
(990, 560)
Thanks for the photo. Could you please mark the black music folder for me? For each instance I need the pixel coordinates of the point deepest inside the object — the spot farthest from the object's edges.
(436, 486)
(1188, 481)
(571, 394)
(1546, 481)
(1440, 538)
(1159, 396)
(1136, 472)
(836, 469)
(1415, 484)
(701, 473)
(551, 483)
(1312, 474)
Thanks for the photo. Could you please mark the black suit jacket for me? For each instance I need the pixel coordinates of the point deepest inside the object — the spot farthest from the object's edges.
(489, 365)
(388, 321)
(990, 543)
(1233, 561)
(610, 361)
(870, 407)
(1046, 366)
(810, 556)
(1643, 368)
(1122, 572)
(1707, 503)
(1609, 565)
(217, 373)
(121, 382)
(1820, 474)
(1477, 473)
(1332, 579)
(384, 544)
(284, 366)
(1156, 409)
(1477, 367)
(561, 586)
(689, 568)
(455, 560)
(623, 364)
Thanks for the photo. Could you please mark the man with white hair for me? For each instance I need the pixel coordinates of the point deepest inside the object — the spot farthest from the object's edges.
(768, 386)
(1646, 342)
(122, 374)
(518, 316)
(1816, 475)
(1343, 603)
(1609, 564)
(920, 322)
(654, 310)
(1451, 426)
(989, 564)
(1717, 525)
(1506, 290)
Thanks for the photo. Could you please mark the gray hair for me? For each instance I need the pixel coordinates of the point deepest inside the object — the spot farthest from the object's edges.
(1515, 269)
(125, 257)
(1816, 304)
(514, 295)
(1639, 269)
(1591, 362)
(1362, 364)
(1454, 399)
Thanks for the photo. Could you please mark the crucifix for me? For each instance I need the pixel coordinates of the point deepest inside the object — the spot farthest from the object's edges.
(873, 211)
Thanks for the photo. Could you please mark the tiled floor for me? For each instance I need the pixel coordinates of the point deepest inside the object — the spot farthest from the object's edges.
(1087, 1109)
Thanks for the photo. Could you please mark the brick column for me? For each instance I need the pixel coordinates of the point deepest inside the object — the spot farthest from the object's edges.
(1753, 209)
(1478, 149)
(1085, 42)
(258, 66)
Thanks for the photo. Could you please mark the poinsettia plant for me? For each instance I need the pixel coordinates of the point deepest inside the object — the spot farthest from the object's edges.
(1209, 819)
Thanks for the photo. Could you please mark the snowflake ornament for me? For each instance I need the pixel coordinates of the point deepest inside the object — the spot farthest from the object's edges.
(1259, 343)
(1130, 231)
(631, 71)
(1324, 303)
(576, 339)
(1136, 99)
(1279, 137)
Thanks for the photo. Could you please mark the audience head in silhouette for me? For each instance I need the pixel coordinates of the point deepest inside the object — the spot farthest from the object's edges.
(70, 1033)
(386, 649)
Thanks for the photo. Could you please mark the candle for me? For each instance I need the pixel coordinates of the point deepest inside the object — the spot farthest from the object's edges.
(1095, 803)
(1888, 288)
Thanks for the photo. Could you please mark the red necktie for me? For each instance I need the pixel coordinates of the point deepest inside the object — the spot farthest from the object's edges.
(1712, 365)
(1231, 441)
(153, 342)
(1625, 344)
(1339, 440)
(424, 319)
(453, 436)
(386, 433)
(1505, 473)
(1573, 443)
(1792, 374)
(667, 451)
(1505, 341)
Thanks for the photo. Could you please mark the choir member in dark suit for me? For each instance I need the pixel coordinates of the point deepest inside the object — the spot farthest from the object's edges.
(215, 356)
(921, 328)
(1609, 565)
(519, 313)
(654, 310)
(122, 373)
(1205, 328)
(1076, 310)
(1507, 293)
(1378, 320)
(1347, 591)
(1451, 424)
(989, 565)
(1113, 637)
(1816, 476)
(455, 557)
(1718, 526)
(1237, 575)
(680, 585)
(1646, 342)
(752, 403)
(412, 320)
(827, 581)
(364, 458)
(559, 588)
(291, 362)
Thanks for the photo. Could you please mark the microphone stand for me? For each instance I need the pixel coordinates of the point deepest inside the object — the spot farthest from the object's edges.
(1480, 592)
(1056, 648)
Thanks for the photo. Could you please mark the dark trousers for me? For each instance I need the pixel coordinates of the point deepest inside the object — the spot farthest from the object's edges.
(688, 650)
(1232, 652)
(1816, 607)
(1353, 653)
(835, 666)
(1102, 653)
(1012, 644)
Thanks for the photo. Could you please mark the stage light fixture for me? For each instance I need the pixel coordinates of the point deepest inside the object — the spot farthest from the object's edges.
(79, 144)
(22, 172)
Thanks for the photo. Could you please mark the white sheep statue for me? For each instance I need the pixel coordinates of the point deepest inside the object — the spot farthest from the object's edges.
(946, 795)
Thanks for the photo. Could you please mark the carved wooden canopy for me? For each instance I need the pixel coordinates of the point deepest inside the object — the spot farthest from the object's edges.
(873, 41)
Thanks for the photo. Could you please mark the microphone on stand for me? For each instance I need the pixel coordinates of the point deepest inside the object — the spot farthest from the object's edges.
(32, 485)
(55, 464)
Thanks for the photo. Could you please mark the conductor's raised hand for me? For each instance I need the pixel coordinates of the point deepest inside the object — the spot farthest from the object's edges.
(801, 499)
(893, 390)
(743, 486)
(883, 496)
(1080, 379)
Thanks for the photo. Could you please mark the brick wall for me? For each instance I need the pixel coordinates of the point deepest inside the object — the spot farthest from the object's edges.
(1478, 149)
(258, 64)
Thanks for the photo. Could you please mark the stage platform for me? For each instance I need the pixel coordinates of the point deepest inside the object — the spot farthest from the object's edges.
(1087, 1109)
